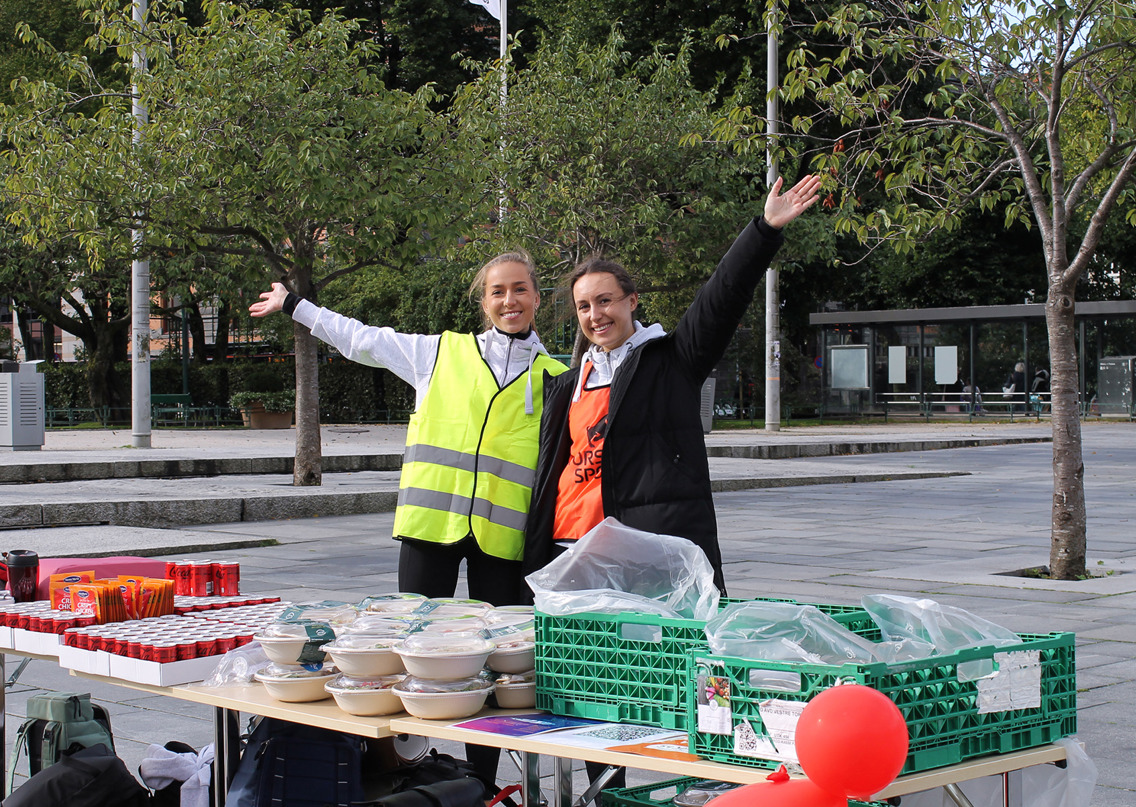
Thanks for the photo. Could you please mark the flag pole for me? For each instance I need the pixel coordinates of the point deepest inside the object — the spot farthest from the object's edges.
(501, 203)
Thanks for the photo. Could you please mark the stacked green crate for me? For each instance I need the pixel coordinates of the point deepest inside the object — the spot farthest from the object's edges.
(632, 668)
(1030, 701)
(662, 794)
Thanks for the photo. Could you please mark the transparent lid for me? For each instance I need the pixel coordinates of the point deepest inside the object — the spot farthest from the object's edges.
(290, 672)
(449, 606)
(393, 606)
(378, 625)
(364, 642)
(511, 636)
(508, 647)
(452, 624)
(429, 685)
(510, 615)
(329, 611)
(519, 679)
(283, 630)
(350, 683)
(446, 644)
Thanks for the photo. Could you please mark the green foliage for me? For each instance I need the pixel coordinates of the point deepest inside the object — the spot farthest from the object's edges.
(601, 153)
(280, 401)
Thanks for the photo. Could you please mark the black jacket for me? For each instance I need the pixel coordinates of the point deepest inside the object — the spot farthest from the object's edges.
(655, 475)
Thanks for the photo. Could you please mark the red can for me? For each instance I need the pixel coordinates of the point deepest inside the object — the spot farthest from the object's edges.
(206, 647)
(182, 576)
(163, 652)
(186, 650)
(226, 578)
(200, 579)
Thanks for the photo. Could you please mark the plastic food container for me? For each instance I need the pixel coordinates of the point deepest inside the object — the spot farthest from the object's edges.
(288, 643)
(366, 655)
(365, 696)
(445, 657)
(292, 683)
(443, 700)
(466, 623)
(515, 656)
(450, 607)
(398, 603)
(516, 691)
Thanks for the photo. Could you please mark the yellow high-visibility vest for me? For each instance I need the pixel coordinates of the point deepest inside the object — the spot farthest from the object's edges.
(471, 453)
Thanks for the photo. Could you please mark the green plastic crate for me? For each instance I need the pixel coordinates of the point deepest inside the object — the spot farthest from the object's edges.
(942, 713)
(631, 668)
(662, 794)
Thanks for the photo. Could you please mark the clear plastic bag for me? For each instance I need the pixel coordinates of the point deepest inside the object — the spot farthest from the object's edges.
(615, 569)
(781, 631)
(946, 628)
(238, 666)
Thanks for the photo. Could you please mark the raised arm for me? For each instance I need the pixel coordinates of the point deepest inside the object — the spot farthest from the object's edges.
(270, 301)
(782, 208)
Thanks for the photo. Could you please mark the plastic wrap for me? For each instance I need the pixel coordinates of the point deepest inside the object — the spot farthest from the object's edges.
(780, 631)
(238, 666)
(616, 569)
(947, 628)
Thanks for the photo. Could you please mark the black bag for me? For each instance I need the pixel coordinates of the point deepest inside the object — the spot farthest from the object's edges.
(58, 722)
(438, 780)
(292, 765)
(89, 777)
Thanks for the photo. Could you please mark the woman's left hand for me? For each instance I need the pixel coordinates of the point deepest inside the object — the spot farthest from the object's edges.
(782, 208)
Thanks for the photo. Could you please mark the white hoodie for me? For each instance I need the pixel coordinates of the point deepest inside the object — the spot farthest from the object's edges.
(412, 357)
(606, 362)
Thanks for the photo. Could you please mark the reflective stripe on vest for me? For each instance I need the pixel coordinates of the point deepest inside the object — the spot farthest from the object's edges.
(471, 453)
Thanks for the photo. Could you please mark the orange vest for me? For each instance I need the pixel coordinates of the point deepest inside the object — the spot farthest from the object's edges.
(579, 498)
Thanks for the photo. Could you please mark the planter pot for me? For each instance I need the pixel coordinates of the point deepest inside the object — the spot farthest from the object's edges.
(255, 417)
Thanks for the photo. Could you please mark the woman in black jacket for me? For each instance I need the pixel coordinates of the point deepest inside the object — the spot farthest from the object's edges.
(621, 435)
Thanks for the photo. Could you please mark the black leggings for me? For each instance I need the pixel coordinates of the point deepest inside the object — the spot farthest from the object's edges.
(432, 570)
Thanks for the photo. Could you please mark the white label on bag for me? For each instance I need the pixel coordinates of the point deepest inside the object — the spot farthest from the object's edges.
(1015, 685)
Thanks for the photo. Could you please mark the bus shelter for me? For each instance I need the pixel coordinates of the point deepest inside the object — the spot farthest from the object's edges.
(955, 355)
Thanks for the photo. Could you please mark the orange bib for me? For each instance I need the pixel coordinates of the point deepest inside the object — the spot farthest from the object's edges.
(579, 499)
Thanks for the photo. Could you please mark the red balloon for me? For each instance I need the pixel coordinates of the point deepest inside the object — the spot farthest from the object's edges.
(852, 740)
(785, 793)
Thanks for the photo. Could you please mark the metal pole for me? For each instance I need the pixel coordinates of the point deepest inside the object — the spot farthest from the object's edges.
(772, 303)
(502, 202)
(139, 278)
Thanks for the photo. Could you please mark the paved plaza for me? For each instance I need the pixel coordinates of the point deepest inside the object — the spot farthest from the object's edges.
(919, 517)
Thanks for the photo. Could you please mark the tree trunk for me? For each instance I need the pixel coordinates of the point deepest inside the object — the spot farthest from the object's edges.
(308, 465)
(1068, 528)
(106, 385)
(33, 346)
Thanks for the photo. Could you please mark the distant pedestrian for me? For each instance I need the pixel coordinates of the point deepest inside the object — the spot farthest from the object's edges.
(1014, 387)
(1039, 390)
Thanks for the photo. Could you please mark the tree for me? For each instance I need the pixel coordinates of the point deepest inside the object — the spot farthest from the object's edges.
(1021, 106)
(601, 153)
(269, 139)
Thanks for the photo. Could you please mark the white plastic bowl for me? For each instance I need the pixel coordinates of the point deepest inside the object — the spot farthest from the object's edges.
(366, 662)
(517, 657)
(283, 649)
(366, 697)
(298, 688)
(517, 696)
(444, 668)
(443, 705)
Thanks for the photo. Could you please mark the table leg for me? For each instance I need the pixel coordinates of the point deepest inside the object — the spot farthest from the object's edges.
(530, 780)
(957, 796)
(226, 752)
(562, 774)
(594, 788)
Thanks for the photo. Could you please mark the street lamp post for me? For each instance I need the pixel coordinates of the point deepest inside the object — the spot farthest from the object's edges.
(772, 301)
(139, 276)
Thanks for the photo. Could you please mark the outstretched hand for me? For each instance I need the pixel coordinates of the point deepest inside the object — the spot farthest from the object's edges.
(782, 208)
(270, 301)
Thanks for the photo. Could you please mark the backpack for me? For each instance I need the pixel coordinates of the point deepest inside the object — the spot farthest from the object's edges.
(292, 765)
(57, 722)
(88, 777)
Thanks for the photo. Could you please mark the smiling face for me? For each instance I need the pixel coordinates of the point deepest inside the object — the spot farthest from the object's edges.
(510, 299)
(604, 309)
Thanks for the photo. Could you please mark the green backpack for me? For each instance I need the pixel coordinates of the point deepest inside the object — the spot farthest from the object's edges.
(58, 722)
